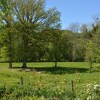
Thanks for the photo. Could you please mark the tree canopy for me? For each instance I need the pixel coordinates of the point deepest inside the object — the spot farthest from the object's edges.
(29, 32)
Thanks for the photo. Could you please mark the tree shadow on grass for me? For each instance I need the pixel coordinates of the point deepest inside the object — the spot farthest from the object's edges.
(54, 70)
(60, 70)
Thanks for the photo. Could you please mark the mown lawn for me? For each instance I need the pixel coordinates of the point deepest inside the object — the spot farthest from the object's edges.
(49, 64)
(41, 81)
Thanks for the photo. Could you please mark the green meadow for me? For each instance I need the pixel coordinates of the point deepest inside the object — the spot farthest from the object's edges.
(42, 81)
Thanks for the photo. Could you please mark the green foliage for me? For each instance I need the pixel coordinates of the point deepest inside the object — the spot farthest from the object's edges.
(90, 51)
(66, 44)
(29, 32)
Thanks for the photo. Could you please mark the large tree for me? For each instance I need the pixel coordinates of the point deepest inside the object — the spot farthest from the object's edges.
(32, 18)
(6, 15)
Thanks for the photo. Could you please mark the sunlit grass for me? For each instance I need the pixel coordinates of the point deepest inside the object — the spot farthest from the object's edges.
(51, 82)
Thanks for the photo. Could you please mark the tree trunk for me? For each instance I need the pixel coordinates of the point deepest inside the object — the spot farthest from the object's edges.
(10, 64)
(24, 64)
(10, 50)
(55, 64)
(90, 64)
(25, 46)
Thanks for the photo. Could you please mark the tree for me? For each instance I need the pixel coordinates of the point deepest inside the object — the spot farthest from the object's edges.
(66, 45)
(74, 27)
(84, 28)
(7, 20)
(32, 19)
(96, 37)
(55, 45)
(90, 53)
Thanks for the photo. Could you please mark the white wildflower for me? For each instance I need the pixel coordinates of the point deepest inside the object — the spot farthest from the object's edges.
(89, 98)
(97, 87)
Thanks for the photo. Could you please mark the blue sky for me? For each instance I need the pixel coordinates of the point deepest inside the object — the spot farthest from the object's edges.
(75, 11)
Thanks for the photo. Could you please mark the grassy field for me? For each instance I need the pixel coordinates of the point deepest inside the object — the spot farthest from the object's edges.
(41, 81)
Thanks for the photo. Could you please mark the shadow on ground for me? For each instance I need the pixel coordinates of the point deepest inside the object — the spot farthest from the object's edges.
(54, 70)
